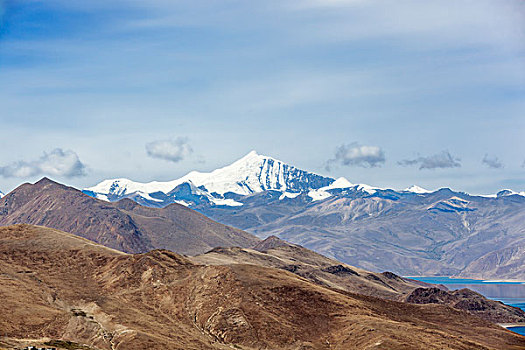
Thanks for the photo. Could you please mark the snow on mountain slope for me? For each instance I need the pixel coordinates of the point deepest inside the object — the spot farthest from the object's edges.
(288, 195)
(340, 183)
(416, 189)
(504, 193)
(257, 173)
(120, 187)
(251, 174)
(1, 194)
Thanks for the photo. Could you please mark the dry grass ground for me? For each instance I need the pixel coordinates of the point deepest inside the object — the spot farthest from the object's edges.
(63, 287)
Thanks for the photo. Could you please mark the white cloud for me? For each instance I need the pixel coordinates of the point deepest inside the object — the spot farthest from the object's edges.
(492, 161)
(355, 154)
(171, 150)
(440, 160)
(58, 162)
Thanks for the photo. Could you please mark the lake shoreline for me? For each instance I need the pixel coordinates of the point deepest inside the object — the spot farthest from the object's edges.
(510, 325)
(469, 278)
(509, 292)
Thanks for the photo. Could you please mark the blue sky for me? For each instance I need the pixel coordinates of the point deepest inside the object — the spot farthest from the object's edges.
(389, 93)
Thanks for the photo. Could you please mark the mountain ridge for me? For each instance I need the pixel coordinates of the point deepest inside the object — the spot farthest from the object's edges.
(410, 232)
(277, 253)
(124, 225)
(253, 173)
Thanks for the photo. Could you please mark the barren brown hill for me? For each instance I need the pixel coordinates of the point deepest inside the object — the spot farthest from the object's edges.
(55, 286)
(277, 253)
(466, 299)
(123, 225)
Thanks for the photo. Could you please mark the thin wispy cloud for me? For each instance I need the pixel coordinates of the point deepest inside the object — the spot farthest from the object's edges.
(358, 155)
(58, 162)
(440, 160)
(173, 150)
(492, 162)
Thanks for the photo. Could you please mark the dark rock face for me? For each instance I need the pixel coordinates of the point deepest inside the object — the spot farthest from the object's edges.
(295, 180)
(340, 270)
(431, 296)
(392, 276)
(468, 300)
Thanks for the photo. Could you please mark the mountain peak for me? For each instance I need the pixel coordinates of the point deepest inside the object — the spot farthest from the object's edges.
(250, 174)
(252, 153)
(256, 173)
(416, 189)
(271, 242)
(45, 180)
(251, 158)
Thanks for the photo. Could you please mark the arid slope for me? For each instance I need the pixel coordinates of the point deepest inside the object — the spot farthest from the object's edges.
(124, 225)
(58, 286)
(277, 253)
(274, 252)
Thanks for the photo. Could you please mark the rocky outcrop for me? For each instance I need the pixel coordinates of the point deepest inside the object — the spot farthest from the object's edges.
(468, 300)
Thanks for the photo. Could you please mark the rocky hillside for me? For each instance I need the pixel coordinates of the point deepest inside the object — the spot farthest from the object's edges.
(122, 225)
(277, 253)
(468, 300)
(57, 288)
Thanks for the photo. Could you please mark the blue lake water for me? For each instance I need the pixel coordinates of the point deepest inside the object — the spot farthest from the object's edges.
(510, 293)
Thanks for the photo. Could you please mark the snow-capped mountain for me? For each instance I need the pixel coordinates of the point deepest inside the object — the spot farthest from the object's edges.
(339, 185)
(254, 173)
(1, 194)
(504, 193)
(416, 189)
(232, 186)
(257, 173)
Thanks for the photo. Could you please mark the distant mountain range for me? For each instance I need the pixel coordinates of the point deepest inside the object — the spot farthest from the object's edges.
(130, 227)
(232, 184)
(411, 232)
